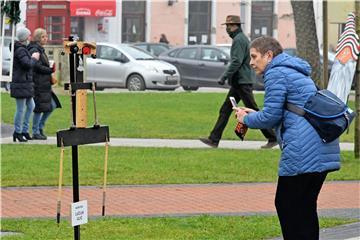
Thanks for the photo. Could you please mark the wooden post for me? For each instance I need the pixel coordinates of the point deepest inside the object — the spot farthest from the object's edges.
(81, 112)
(357, 89)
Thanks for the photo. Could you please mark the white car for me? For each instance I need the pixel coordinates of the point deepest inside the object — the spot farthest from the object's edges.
(124, 66)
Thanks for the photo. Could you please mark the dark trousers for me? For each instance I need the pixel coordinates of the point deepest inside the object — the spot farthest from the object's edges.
(296, 204)
(244, 93)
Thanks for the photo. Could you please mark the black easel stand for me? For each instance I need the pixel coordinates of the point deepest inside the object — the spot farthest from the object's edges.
(78, 136)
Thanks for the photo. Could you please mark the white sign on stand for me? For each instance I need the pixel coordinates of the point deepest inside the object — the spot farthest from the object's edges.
(79, 213)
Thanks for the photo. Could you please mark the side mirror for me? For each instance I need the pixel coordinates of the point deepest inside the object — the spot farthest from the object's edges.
(224, 60)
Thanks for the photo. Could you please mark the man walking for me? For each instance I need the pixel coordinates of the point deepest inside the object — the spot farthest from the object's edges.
(240, 77)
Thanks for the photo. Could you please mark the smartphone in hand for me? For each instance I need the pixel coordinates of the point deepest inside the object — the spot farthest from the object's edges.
(233, 102)
(240, 129)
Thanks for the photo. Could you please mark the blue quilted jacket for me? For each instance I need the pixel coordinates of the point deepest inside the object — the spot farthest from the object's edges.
(287, 79)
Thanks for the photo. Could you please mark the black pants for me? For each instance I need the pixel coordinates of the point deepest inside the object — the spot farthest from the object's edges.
(244, 93)
(296, 204)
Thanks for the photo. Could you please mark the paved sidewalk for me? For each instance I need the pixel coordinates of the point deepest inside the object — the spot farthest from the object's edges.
(337, 199)
(175, 200)
(171, 143)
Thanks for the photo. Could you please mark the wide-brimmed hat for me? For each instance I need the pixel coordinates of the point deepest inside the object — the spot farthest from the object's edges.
(232, 19)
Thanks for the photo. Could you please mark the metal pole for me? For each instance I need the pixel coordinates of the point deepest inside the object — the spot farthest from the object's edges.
(325, 44)
(75, 173)
(357, 89)
(75, 166)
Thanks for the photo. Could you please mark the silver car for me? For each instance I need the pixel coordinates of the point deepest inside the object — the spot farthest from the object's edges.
(124, 66)
(6, 60)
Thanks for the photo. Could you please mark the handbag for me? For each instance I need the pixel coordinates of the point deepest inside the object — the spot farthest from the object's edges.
(328, 115)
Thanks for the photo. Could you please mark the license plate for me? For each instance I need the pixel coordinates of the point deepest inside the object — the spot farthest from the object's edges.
(171, 80)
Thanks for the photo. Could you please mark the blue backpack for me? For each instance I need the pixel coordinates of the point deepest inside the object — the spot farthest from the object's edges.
(328, 115)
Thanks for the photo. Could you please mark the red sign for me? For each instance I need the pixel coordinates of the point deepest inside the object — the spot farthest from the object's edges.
(82, 8)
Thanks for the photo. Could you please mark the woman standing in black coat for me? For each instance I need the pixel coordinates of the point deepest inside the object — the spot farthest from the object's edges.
(45, 99)
(21, 86)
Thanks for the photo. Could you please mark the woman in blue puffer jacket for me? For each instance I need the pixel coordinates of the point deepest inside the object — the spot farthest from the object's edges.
(305, 159)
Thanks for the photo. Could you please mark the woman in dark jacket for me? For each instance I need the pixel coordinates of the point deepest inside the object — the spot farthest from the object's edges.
(21, 87)
(45, 99)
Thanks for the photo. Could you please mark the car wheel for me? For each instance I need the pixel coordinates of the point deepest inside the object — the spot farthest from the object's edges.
(188, 88)
(135, 83)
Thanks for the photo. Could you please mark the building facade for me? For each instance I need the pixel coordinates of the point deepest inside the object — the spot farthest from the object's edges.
(63, 18)
(182, 21)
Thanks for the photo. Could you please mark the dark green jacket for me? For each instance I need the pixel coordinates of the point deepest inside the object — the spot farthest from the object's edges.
(239, 70)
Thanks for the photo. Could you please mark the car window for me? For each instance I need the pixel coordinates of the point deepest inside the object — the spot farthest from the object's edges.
(142, 47)
(157, 49)
(7, 41)
(210, 54)
(6, 54)
(173, 53)
(137, 53)
(226, 49)
(188, 53)
(109, 53)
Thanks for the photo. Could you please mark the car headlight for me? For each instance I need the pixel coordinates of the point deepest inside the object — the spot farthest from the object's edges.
(151, 68)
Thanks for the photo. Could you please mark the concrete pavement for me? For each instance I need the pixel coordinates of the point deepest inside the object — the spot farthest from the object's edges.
(170, 143)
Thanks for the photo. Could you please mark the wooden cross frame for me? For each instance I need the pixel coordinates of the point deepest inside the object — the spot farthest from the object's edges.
(79, 133)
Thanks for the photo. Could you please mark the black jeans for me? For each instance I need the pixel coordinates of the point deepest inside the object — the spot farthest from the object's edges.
(242, 92)
(296, 204)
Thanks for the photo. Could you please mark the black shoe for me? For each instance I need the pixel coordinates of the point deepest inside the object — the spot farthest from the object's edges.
(19, 137)
(38, 137)
(27, 136)
(270, 144)
(209, 142)
(42, 134)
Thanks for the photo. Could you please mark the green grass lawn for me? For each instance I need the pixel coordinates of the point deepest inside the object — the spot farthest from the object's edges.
(185, 115)
(38, 165)
(181, 228)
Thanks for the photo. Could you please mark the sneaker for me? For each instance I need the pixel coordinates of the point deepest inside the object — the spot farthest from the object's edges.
(209, 142)
(270, 144)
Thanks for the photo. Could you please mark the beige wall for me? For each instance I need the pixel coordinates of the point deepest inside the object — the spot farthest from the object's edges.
(224, 8)
(168, 20)
(286, 27)
(337, 13)
(171, 20)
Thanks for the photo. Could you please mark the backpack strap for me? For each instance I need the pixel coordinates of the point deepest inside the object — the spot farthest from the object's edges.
(295, 109)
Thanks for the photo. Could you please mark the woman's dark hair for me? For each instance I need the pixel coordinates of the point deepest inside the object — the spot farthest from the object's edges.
(264, 44)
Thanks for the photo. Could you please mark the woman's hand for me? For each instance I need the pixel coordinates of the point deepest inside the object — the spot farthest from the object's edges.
(240, 114)
(36, 55)
(247, 110)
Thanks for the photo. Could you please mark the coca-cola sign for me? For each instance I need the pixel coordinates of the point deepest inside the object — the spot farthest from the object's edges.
(93, 8)
(83, 12)
(104, 13)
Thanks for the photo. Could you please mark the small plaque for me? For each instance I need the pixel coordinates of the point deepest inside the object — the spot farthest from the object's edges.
(79, 213)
